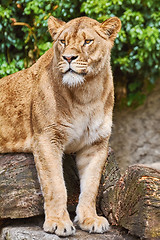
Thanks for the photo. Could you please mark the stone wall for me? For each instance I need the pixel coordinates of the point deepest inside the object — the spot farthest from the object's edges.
(136, 133)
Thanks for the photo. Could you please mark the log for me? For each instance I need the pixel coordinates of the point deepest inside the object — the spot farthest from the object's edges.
(131, 200)
(20, 192)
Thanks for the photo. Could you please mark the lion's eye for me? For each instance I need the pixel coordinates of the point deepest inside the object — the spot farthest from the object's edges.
(88, 41)
(63, 41)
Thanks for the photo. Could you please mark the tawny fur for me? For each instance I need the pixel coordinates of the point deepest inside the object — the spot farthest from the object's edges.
(61, 105)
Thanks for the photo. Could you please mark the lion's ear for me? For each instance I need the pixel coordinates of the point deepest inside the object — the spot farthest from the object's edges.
(53, 25)
(111, 27)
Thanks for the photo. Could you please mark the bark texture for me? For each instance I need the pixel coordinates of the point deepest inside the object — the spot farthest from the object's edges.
(131, 200)
(20, 192)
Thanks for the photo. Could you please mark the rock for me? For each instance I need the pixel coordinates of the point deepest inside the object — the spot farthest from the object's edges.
(136, 133)
(155, 165)
(30, 229)
(27, 233)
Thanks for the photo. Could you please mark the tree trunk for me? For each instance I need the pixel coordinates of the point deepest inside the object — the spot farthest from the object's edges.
(20, 193)
(131, 201)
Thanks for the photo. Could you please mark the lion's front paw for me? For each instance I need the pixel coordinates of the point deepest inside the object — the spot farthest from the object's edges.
(93, 224)
(59, 227)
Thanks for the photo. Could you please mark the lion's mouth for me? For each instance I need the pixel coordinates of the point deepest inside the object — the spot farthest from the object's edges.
(70, 70)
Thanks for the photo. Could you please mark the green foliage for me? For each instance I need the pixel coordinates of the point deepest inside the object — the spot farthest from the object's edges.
(23, 29)
(135, 56)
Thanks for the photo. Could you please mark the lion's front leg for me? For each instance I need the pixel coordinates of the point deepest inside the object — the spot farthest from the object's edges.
(48, 159)
(90, 163)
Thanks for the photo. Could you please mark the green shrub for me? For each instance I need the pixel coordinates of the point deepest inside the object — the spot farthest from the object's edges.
(135, 56)
(23, 29)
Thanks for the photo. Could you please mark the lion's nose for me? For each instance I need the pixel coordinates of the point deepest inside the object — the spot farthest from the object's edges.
(69, 59)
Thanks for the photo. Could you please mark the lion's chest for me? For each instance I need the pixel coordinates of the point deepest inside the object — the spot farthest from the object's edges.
(87, 128)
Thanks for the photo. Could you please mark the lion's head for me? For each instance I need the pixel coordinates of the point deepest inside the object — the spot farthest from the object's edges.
(82, 46)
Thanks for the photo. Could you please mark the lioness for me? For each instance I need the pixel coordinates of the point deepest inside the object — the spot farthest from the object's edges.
(63, 103)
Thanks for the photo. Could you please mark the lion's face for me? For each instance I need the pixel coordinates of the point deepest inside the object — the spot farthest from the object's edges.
(82, 47)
